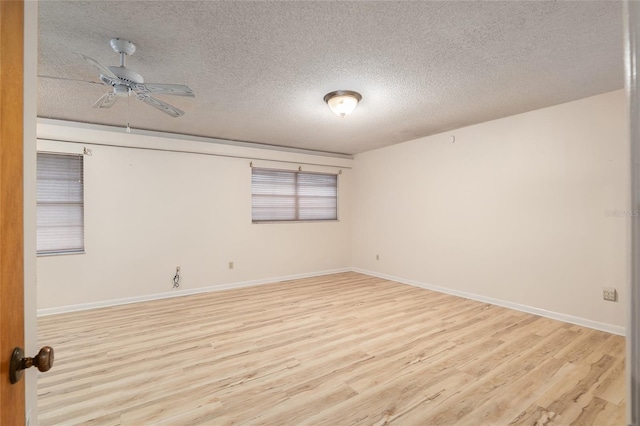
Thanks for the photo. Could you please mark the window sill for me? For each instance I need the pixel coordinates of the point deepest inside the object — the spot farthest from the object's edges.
(293, 221)
(60, 253)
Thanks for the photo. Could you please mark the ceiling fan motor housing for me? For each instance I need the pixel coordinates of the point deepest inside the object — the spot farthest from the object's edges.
(125, 75)
(122, 85)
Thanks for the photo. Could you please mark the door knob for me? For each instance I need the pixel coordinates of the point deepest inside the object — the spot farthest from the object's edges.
(42, 361)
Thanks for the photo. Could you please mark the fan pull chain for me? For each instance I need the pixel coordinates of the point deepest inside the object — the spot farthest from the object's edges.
(128, 111)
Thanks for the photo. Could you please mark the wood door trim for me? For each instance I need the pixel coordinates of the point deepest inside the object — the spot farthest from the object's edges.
(12, 397)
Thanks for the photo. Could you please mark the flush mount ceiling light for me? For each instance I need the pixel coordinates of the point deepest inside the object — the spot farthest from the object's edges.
(342, 102)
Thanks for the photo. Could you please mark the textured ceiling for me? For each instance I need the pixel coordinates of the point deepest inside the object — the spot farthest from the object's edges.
(261, 69)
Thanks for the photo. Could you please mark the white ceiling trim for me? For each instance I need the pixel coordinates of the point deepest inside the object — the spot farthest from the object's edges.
(65, 131)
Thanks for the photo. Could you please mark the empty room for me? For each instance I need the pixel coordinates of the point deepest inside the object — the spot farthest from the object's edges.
(327, 213)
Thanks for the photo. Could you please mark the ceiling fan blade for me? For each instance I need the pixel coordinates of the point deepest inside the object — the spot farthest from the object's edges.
(162, 106)
(103, 70)
(74, 80)
(163, 89)
(106, 101)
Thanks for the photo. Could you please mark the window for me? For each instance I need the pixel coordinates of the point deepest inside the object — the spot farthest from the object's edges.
(286, 196)
(60, 204)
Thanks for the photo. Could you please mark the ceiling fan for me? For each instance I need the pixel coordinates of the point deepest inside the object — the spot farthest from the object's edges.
(125, 81)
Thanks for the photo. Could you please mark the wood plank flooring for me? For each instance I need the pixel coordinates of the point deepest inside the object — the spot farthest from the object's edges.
(341, 349)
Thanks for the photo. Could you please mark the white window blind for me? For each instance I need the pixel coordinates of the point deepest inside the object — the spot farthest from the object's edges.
(60, 203)
(280, 196)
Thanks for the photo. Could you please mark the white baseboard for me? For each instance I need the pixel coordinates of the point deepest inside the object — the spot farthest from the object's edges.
(179, 293)
(609, 328)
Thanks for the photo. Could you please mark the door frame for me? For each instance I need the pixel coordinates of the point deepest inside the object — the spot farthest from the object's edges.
(632, 48)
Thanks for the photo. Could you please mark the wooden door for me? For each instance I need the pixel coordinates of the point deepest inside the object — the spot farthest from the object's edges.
(12, 397)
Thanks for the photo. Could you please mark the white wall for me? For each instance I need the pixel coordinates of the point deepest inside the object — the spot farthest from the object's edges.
(513, 211)
(148, 211)
(29, 194)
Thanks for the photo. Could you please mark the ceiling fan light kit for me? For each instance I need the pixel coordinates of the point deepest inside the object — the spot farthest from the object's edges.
(125, 81)
(342, 102)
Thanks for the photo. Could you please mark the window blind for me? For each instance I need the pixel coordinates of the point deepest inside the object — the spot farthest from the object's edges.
(60, 203)
(280, 195)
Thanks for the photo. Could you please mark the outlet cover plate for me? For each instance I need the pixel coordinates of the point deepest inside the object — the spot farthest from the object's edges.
(610, 294)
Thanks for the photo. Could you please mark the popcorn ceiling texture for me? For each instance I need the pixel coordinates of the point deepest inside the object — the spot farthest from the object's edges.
(261, 69)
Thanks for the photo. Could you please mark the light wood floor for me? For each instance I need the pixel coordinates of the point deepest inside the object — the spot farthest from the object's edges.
(335, 350)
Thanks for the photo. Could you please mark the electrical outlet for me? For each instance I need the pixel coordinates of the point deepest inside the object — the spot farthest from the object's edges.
(177, 278)
(230, 265)
(609, 293)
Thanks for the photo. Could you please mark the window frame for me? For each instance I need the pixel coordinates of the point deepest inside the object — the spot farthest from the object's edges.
(64, 252)
(297, 212)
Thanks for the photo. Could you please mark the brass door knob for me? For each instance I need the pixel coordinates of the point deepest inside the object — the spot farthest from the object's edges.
(43, 361)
